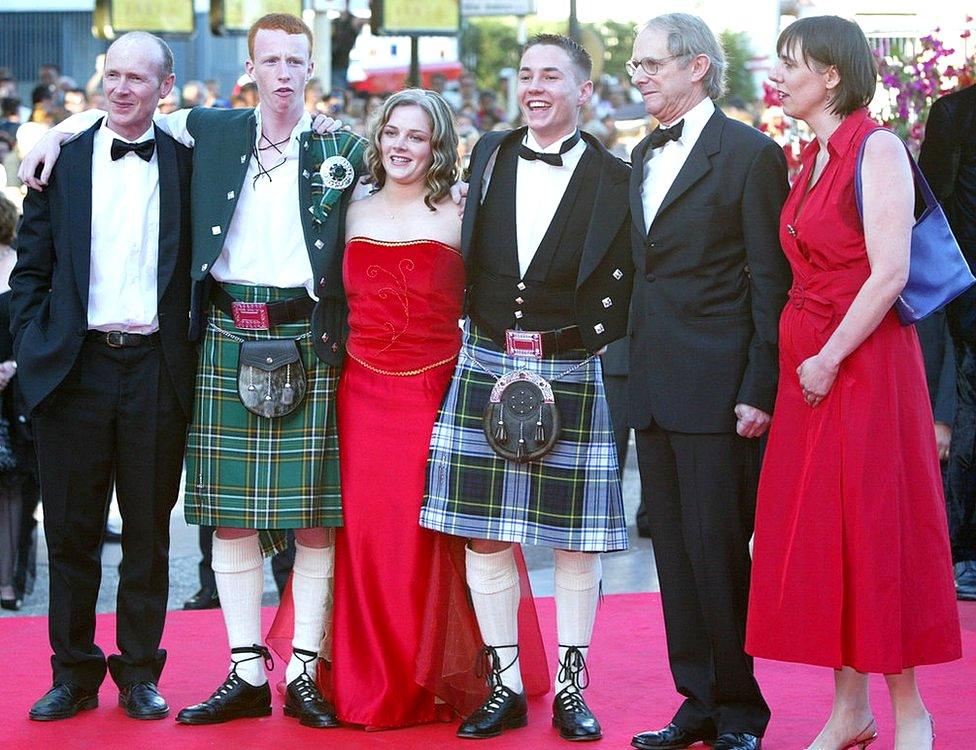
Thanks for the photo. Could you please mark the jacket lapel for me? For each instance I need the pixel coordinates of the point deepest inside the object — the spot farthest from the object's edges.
(698, 163)
(636, 180)
(491, 142)
(319, 235)
(78, 164)
(609, 212)
(169, 211)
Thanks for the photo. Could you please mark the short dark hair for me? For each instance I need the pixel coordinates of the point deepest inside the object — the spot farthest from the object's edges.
(9, 105)
(8, 220)
(41, 92)
(577, 53)
(827, 41)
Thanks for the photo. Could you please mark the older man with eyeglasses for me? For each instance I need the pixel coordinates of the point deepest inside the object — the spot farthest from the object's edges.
(709, 284)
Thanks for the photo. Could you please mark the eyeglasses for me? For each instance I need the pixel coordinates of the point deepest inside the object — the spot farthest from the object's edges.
(649, 65)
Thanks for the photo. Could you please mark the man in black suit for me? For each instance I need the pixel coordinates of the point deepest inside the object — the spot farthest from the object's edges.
(710, 282)
(99, 310)
(948, 160)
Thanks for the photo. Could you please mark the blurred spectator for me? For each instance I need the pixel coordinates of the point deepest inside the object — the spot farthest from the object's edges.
(489, 113)
(42, 104)
(315, 96)
(194, 94)
(75, 101)
(48, 75)
(212, 97)
(345, 30)
(249, 94)
(467, 91)
(438, 83)
(10, 118)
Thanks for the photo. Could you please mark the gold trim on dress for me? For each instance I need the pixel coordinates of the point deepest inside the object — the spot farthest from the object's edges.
(401, 243)
(401, 373)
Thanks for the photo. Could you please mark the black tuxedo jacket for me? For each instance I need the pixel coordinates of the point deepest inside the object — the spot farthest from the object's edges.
(49, 301)
(605, 269)
(710, 283)
(948, 160)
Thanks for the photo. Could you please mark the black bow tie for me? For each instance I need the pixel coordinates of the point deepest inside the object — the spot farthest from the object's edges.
(660, 136)
(143, 149)
(555, 160)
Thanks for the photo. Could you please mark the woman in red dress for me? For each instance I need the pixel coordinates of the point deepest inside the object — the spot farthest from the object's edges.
(852, 568)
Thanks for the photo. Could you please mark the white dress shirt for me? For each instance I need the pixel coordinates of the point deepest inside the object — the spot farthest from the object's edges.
(661, 165)
(124, 262)
(265, 243)
(539, 188)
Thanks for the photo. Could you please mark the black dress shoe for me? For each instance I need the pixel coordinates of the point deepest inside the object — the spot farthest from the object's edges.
(63, 701)
(143, 701)
(205, 598)
(672, 737)
(503, 710)
(235, 699)
(573, 718)
(737, 741)
(304, 702)
(12, 604)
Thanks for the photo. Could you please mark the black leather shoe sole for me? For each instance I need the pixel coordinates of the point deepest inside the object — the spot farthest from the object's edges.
(246, 713)
(86, 704)
(160, 713)
(316, 722)
(576, 737)
(516, 722)
(693, 742)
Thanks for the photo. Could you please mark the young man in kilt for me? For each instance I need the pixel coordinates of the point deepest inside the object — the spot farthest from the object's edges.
(545, 238)
(268, 203)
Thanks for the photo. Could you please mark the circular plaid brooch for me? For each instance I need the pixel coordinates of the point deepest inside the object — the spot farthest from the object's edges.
(337, 173)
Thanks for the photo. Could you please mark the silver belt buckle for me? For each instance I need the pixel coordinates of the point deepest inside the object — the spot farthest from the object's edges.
(523, 343)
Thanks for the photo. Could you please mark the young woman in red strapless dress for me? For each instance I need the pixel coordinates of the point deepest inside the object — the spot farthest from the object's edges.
(405, 637)
(851, 561)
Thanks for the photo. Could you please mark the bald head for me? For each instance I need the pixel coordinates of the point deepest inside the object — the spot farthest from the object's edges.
(146, 43)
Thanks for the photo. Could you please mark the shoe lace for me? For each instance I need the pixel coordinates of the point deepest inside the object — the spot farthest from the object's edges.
(233, 679)
(489, 665)
(305, 687)
(572, 701)
(573, 669)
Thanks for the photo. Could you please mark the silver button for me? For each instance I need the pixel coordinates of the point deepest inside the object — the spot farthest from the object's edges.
(203, 267)
(325, 337)
(607, 301)
(311, 210)
(322, 281)
(269, 360)
(305, 173)
(518, 313)
(618, 274)
(319, 244)
(519, 300)
(243, 158)
(520, 286)
(598, 328)
(230, 195)
(214, 231)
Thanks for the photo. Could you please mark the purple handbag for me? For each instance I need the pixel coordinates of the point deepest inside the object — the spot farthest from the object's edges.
(937, 270)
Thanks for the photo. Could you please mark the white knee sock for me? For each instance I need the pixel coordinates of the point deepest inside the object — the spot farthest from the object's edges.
(494, 584)
(310, 584)
(239, 572)
(577, 584)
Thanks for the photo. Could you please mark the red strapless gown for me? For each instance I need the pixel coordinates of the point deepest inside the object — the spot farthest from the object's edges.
(403, 629)
(851, 562)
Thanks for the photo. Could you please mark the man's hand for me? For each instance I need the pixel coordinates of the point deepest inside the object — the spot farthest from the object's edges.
(45, 152)
(459, 194)
(750, 421)
(323, 124)
(943, 439)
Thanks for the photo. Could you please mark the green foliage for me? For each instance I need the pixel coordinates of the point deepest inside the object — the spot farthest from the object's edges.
(738, 79)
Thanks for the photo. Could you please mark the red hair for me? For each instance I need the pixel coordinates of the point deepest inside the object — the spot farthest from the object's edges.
(282, 21)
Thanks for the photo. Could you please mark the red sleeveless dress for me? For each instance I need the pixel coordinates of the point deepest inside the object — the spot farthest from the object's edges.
(851, 559)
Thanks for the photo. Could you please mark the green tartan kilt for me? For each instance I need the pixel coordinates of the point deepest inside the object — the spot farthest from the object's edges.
(251, 472)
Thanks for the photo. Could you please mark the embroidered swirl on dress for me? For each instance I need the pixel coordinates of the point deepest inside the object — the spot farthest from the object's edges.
(399, 291)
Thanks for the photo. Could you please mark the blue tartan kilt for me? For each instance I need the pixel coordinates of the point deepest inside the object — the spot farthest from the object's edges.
(569, 499)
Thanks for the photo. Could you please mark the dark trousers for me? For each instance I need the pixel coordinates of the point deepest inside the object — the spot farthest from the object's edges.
(702, 494)
(206, 558)
(961, 469)
(116, 411)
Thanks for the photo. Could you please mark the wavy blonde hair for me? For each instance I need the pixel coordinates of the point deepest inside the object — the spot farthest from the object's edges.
(444, 169)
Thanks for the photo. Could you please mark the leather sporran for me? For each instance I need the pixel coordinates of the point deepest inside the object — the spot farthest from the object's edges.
(271, 380)
(521, 420)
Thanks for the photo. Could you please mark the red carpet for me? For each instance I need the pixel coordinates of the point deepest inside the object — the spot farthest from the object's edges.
(631, 691)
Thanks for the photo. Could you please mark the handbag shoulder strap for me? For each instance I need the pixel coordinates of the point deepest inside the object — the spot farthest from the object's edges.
(927, 195)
